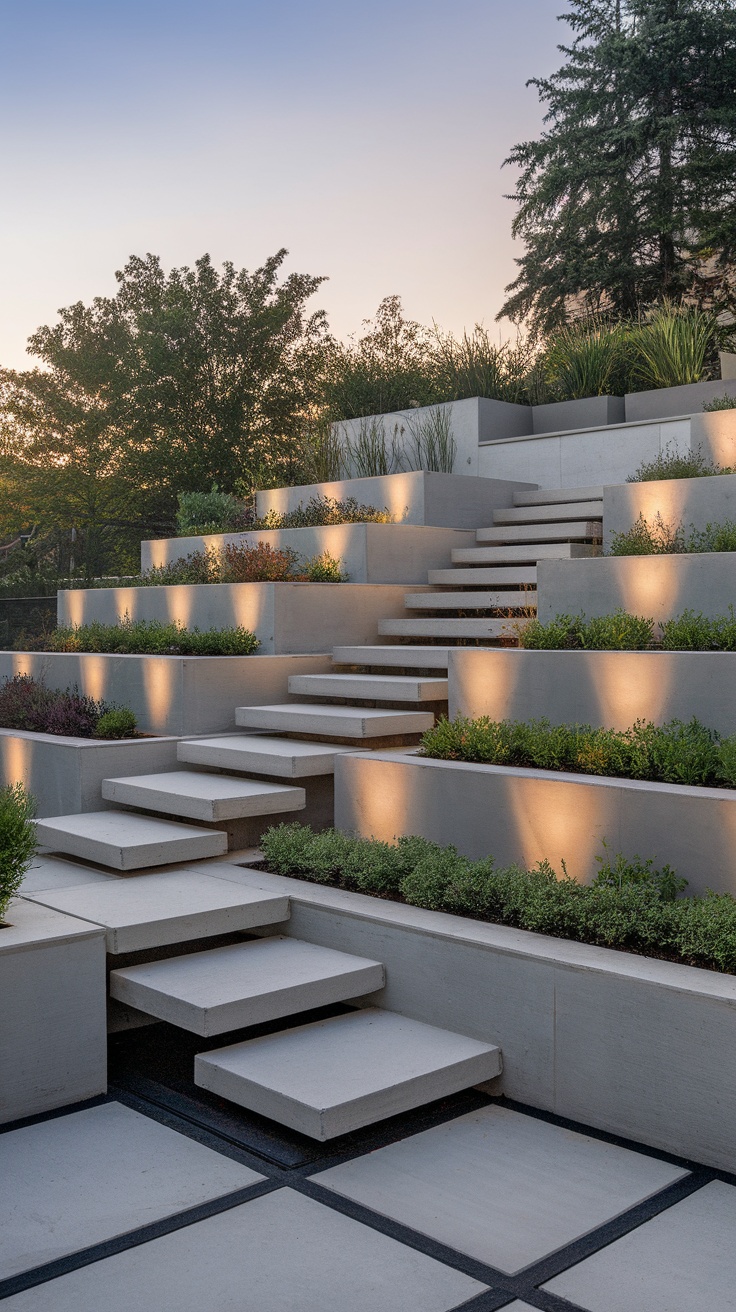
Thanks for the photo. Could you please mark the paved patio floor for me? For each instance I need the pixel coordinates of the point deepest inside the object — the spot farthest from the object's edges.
(127, 1207)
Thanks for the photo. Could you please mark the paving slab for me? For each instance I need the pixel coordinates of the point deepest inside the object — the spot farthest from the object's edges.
(278, 1253)
(407, 658)
(170, 907)
(56, 872)
(126, 841)
(372, 687)
(244, 984)
(77, 1180)
(336, 1075)
(199, 796)
(500, 1186)
(683, 1260)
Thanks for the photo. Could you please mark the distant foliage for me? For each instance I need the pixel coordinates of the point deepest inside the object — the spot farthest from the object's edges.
(17, 841)
(151, 638)
(26, 704)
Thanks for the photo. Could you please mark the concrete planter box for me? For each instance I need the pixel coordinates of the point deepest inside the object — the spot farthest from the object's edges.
(169, 694)
(637, 1047)
(52, 1022)
(654, 586)
(437, 500)
(525, 816)
(369, 553)
(676, 400)
(693, 502)
(586, 412)
(65, 774)
(287, 618)
(612, 689)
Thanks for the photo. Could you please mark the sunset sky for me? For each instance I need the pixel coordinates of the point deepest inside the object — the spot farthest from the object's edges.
(367, 138)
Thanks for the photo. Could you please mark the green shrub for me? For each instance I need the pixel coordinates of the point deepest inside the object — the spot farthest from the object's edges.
(321, 510)
(324, 569)
(672, 347)
(675, 464)
(116, 723)
(587, 359)
(151, 638)
(210, 512)
(237, 562)
(657, 537)
(630, 906)
(693, 632)
(17, 841)
(714, 537)
(721, 403)
(617, 632)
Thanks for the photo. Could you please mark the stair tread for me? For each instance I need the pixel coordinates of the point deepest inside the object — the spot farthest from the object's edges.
(243, 984)
(441, 627)
(562, 532)
(203, 796)
(375, 687)
(341, 721)
(286, 757)
(126, 841)
(562, 510)
(515, 553)
(333, 1076)
(401, 657)
(551, 496)
(476, 600)
(168, 907)
(521, 575)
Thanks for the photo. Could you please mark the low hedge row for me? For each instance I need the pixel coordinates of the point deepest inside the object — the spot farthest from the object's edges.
(148, 638)
(621, 631)
(26, 704)
(236, 562)
(630, 906)
(672, 753)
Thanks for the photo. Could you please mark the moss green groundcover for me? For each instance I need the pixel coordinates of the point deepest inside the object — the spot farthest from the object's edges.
(630, 906)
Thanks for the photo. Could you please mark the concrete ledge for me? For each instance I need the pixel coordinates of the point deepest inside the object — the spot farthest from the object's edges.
(612, 689)
(169, 694)
(694, 502)
(654, 586)
(287, 618)
(676, 400)
(525, 816)
(634, 1046)
(369, 553)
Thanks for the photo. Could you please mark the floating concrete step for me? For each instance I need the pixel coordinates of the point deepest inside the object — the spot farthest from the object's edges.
(421, 658)
(244, 984)
(470, 600)
(334, 721)
(509, 575)
(170, 907)
(569, 531)
(283, 757)
(125, 841)
(532, 552)
(372, 687)
(564, 510)
(434, 626)
(203, 796)
(555, 496)
(336, 1075)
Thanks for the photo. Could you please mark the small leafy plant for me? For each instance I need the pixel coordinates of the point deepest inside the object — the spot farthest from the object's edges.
(617, 632)
(238, 562)
(116, 723)
(26, 704)
(721, 403)
(151, 638)
(672, 463)
(17, 841)
(658, 537)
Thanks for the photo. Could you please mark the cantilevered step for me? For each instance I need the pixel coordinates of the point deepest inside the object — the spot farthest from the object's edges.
(509, 555)
(334, 721)
(283, 757)
(169, 907)
(569, 531)
(407, 658)
(203, 796)
(371, 687)
(435, 626)
(557, 495)
(125, 841)
(336, 1075)
(509, 600)
(509, 575)
(564, 510)
(244, 984)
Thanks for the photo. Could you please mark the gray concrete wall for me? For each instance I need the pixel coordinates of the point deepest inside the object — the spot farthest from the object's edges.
(368, 553)
(65, 774)
(612, 689)
(637, 1047)
(587, 458)
(676, 400)
(585, 412)
(694, 502)
(287, 618)
(526, 816)
(658, 587)
(169, 694)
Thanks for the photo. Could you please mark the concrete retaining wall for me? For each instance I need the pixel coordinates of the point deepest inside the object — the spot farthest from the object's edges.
(655, 586)
(526, 816)
(369, 553)
(65, 774)
(676, 400)
(586, 412)
(287, 618)
(694, 502)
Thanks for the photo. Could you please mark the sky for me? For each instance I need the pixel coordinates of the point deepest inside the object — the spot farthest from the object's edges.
(366, 138)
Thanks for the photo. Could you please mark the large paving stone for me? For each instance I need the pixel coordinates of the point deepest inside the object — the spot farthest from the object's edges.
(684, 1260)
(126, 841)
(76, 1180)
(504, 1188)
(198, 796)
(287, 758)
(278, 1253)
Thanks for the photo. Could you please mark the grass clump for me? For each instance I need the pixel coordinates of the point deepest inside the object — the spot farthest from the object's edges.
(27, 705)
(151, 638)
(631, 905)
(617, 632)
(17, 841)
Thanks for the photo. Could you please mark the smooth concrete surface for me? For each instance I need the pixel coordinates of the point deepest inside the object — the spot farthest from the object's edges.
(170, 907)
(658, 587)
(434, 626)
(510, 576)
(558, 496)
(287, 618)
(416, 497)
(228, 988)
(630, 1045)
(57, 1196)
(333, 1076)
(284, 757)
(583, 412)
(523, 816)
(126, 841)
(551, 513)
(611, 689)
(338, 721)
(282, 1251)
(57, 872)
(587, 456)
(691, 502)
(200, 796)
(508, 600)
(168, 695)
(65, 774)
(53, 1041)
(515, 554)
(685, 400)
(396, 657)
(504, 1188)
(681, 1261)
(371, 687)
(368, 553)
(572, 531)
